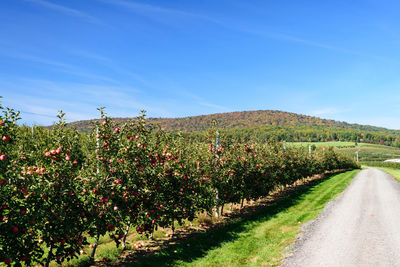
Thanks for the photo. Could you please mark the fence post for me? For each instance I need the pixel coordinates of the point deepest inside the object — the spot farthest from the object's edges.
(97, 146)
(217, 145)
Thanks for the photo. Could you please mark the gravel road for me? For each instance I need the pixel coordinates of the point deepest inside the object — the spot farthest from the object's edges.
(360, 228)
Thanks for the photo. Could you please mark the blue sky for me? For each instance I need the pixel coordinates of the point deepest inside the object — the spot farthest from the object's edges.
(331, 59)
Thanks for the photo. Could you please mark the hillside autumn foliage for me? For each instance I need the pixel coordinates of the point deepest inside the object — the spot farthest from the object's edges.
(263, 125)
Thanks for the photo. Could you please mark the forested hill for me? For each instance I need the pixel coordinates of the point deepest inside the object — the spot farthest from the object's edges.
(244, 119)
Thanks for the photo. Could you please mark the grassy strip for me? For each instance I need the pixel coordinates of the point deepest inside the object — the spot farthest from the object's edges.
(382, 164)
(331, 143)
(395, 173)
(258, 239)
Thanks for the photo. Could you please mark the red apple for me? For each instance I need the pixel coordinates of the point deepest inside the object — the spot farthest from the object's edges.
(6, 138)
(3, 157)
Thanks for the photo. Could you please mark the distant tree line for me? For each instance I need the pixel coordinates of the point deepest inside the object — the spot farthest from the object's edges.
(266, 134)
(268, 125)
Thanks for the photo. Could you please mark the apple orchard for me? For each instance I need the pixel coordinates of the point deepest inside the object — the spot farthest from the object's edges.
(59, 186)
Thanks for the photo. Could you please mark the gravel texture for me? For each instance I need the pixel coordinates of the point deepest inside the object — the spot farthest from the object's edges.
(360, 228)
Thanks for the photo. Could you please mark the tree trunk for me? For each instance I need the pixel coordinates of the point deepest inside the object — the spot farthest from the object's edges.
(216, 205)
(125, 235)
(94, 249)
(152, 233)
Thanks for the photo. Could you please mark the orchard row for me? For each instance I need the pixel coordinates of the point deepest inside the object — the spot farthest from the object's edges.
(58, 186)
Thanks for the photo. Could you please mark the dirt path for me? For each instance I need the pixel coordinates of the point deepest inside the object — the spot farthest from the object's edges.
(360, 228)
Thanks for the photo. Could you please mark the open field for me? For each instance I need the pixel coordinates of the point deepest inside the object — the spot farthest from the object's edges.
(367, 152)
(326, 144)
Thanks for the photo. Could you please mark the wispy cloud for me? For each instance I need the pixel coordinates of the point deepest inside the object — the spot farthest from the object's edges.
(154, 11)
(146, 8)
(64, 10)
(150, 10)
(282, 36)
(60, 66)
(214, 106)
(79, 100)
(178, 91)
(111, 64)
(300, 40)
(93, 56)
(328, 111)
(303, 41)
(202, 101)
(36, 59)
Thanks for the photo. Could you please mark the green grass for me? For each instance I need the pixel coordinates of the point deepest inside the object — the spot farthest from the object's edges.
(370, 152)
(258, 239)
(367, 152)
(327, 144)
